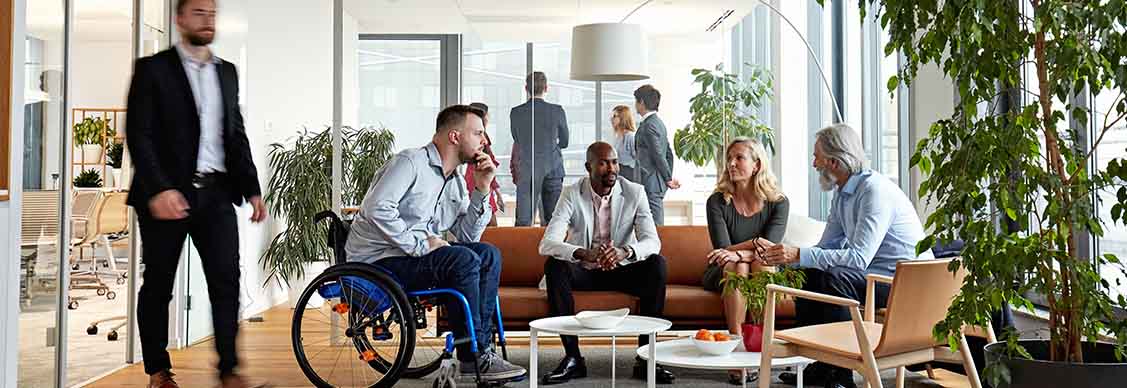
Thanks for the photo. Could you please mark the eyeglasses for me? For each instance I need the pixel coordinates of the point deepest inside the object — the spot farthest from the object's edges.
(758, 248)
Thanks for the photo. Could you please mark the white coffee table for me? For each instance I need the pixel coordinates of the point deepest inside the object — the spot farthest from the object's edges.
(567, 325)
(682, 353)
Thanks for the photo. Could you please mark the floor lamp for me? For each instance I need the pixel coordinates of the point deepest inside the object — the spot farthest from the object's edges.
(810, 50)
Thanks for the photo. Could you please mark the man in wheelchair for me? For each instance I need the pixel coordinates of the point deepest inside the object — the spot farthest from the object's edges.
(415, 199)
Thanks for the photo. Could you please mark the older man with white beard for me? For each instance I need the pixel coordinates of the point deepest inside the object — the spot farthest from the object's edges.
(872, 225)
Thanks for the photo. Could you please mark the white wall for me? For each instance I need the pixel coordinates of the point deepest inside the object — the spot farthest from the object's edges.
(283, 49)
(931, 97)
(791, 96)
(10, 214)
(100, 73)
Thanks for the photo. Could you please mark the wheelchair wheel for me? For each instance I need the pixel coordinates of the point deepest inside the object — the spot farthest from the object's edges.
(429, 342)
(353, 327)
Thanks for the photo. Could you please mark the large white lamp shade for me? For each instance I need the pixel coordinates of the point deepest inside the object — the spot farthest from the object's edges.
(608, 52)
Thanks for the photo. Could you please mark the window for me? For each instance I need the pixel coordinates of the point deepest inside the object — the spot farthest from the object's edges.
(1114, 240)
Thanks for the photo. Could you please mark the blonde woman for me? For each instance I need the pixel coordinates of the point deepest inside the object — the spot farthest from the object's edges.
(622, 120)
(746, 206)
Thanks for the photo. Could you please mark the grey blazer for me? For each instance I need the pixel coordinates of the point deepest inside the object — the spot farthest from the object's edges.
(551, 135)
(654, 155)
(573, 222)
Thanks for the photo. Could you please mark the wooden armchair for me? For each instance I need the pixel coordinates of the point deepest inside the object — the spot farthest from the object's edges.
(920, 295)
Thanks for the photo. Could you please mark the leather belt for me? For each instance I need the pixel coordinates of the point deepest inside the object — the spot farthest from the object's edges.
(202, 180)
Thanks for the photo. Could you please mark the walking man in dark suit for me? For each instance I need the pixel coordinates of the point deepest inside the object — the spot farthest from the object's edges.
(655, 158)
(539, 133)
(192, 158)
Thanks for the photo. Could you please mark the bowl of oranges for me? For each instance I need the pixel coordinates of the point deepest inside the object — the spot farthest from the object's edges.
(717, 344)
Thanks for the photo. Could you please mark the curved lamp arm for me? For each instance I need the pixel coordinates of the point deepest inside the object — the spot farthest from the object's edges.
(810, 50)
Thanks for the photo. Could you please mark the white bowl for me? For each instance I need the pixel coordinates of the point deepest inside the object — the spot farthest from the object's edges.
(600, 320)
(717, 348)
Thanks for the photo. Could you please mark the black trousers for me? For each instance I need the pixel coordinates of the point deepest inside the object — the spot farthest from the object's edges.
(837, 281)
(214, 230)
(644, 279)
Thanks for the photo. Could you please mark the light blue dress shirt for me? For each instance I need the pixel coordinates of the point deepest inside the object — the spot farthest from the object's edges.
(409, 201)
(203, 78)
(872, 225)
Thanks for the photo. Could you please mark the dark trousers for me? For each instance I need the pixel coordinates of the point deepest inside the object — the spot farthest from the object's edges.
(545, 191)
(655, 193)
(644, 279)
(474, 269)
(214, 230)
(837, 281)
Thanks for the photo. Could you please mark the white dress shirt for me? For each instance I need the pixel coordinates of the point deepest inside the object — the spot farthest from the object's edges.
(204, 80)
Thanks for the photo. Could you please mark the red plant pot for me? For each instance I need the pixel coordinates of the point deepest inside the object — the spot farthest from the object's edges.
(752, 336)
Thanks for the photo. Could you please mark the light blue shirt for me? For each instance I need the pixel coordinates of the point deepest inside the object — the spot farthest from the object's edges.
(203, 77)
(409, 201)
(624, 145)
(872, 225)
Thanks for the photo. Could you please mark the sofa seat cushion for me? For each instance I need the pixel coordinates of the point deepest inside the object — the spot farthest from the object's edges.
(530, 303)
(691, 302)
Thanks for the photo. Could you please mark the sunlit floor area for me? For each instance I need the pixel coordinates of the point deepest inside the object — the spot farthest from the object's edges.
(267, 353)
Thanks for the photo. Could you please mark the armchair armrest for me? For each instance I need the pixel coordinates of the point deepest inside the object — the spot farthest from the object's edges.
(844, 302)
(870, 294)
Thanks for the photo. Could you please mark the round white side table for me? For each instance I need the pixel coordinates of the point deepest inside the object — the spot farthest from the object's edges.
(567, 325)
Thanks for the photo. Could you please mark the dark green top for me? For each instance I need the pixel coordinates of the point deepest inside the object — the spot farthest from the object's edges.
(726, 227)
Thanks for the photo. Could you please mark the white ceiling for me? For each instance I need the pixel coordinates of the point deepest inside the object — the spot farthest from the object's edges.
(537, 20)
(489, 20)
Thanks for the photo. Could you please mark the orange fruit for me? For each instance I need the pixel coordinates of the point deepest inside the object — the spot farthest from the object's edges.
(721, 337)
(703, 335)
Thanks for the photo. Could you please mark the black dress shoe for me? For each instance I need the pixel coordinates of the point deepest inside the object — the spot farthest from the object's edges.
(569, 368)
(815, 374)
(661, 376)
(841, 378)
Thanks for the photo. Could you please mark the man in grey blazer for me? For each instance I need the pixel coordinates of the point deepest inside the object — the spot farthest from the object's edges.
(655, 158)
(539, 133)
(602, 237)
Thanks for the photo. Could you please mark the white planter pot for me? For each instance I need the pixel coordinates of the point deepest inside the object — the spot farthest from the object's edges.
(117, 178)
(88, 154)
(297, 286)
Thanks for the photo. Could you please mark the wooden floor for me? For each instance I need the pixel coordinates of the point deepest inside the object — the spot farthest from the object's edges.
(267, 354)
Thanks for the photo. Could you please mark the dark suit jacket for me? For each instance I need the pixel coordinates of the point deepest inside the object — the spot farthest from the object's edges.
(653, 153)
(163, 130)
(550, 127)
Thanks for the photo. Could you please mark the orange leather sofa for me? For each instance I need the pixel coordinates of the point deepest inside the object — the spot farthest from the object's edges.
(687, 304)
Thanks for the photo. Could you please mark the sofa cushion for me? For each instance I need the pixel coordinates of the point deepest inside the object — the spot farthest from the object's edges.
(691, 302)
(521, 262)
(686, 253)
(803, 231)
(528, 303)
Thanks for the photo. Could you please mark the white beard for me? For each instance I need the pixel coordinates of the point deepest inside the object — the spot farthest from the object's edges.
(825, 179)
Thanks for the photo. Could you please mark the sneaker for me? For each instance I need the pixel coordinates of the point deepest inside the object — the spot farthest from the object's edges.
(492, 368)
(162, 379)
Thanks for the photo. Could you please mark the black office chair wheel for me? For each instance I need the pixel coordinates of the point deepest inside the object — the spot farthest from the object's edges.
(74, 267)
(111, 295)
(120, 280)
(73, 305)
(102, 291)
(112, 336)
(92, 330)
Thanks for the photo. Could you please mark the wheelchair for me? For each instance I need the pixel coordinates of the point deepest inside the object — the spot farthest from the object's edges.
(355, 326)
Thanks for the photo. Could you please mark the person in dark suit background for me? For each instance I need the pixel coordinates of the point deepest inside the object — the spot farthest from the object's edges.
(539, 133)
(192, 163)
(654, 157)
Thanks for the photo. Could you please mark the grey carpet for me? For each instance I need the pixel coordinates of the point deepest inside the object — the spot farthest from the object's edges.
(598, 372)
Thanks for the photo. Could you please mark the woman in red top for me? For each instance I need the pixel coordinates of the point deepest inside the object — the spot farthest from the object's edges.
(495, 199)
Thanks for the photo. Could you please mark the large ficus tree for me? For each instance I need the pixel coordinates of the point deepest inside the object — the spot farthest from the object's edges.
(1020, 162)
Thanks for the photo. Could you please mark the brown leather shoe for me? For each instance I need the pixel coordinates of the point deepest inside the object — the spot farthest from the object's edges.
(237, 381)
(162, 379)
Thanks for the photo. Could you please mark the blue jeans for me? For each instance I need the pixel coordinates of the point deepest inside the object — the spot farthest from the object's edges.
(473, 269)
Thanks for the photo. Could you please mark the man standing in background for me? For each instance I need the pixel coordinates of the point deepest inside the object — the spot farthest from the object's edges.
(192, 163)
(654, 157)
(539, 134)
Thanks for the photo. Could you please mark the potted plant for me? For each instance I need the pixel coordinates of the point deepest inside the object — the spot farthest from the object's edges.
(754, 290)
(89, 136)
(88, 179)
(114, 159)
(300, 186)
(724, 109)
(1018, 182)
